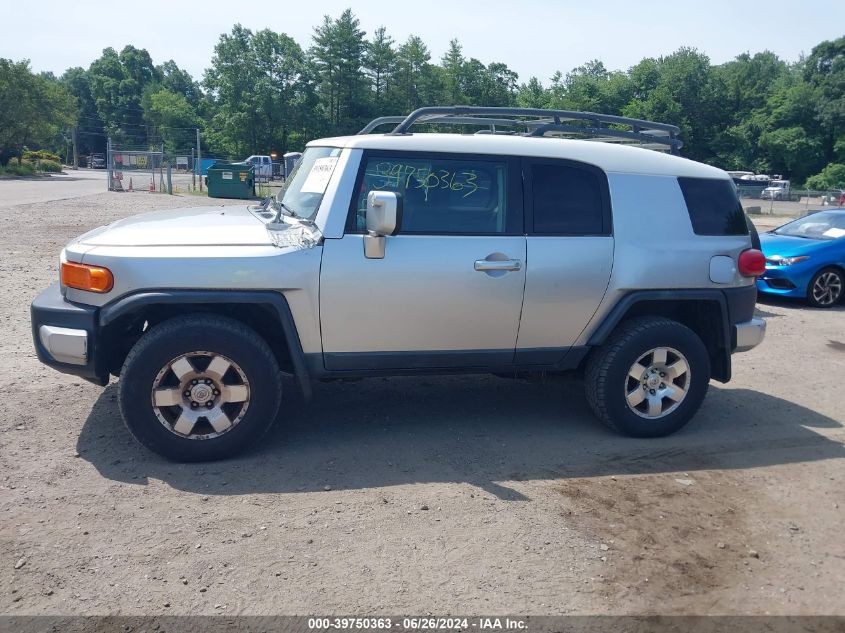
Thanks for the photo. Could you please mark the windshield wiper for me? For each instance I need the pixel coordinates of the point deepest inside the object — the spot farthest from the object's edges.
(291, 213)
(283, 209)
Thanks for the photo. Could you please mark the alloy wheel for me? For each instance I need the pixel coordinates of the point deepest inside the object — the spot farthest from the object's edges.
(200, 395)
(827, 288)
(657, 383)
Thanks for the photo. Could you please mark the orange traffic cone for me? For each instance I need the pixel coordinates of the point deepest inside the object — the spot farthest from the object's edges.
(130, 183)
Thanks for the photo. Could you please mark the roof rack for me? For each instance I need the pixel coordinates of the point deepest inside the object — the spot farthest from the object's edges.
(539, 122)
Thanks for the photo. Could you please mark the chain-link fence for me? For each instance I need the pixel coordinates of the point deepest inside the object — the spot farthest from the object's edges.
(135, 169)
(791, 203)
(184, 171)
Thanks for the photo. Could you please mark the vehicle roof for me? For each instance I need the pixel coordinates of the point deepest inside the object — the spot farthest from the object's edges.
(610, 157)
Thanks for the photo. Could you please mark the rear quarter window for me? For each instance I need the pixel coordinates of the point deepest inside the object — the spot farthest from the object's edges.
(713, 206)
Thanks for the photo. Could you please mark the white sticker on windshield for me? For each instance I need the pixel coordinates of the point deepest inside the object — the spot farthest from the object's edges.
(834, 232)
(318, 177)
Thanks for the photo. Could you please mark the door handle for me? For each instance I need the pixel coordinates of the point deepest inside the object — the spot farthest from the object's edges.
(506, 264)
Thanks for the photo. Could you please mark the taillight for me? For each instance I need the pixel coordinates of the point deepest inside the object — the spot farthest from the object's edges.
(83, 277)
(752, 263)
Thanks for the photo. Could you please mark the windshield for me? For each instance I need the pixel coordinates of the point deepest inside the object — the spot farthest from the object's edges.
(304, 187)
(817, 226)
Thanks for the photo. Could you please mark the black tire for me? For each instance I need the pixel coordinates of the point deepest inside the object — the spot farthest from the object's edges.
(183, 335)
(825, 301)
(608, 366)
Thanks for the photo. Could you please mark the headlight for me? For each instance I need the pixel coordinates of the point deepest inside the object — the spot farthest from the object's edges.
(787, 261)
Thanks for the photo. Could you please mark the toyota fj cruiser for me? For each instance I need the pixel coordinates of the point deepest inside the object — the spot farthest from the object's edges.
(502, 251)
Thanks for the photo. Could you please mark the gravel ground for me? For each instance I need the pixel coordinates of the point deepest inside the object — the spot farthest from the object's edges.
(446, 495)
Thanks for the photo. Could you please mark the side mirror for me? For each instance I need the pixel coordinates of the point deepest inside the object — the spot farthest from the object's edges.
(384, 212)
(384, 217)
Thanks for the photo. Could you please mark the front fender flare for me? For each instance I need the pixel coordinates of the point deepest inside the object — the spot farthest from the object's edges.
(132, 302)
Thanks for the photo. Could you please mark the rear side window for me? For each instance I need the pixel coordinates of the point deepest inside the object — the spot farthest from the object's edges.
(713, 206)
(568, 200)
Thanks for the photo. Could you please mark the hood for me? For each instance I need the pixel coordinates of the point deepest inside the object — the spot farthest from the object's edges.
(202, 226)
(788, 246)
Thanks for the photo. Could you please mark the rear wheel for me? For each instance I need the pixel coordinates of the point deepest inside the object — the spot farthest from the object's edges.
(199, 387)
(649, 378)
(825, 288)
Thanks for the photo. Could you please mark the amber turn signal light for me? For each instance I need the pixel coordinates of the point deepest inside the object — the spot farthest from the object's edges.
(83, 277)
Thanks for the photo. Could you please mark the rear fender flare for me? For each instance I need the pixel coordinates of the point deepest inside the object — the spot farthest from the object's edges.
(623, 307)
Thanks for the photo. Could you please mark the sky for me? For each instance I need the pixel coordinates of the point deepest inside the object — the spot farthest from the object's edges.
(533, 37)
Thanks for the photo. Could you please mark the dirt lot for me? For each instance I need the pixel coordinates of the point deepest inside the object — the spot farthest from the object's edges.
(443, 495)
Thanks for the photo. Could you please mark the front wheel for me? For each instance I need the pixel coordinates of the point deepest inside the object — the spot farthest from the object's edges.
(649, 378)
(825, 288)
(199, 388)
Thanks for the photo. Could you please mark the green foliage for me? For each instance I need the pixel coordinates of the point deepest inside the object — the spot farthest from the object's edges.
(33, 108)
(831, 177)
(49, 166)
(41, 154)
(18, 167)
(260, 92)
(117, 82)
(337, 59)
(264, 92)
(173, 115)
(682, 89)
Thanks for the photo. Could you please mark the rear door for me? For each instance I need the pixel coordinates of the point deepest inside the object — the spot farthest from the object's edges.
(570, 255)
(448, 292)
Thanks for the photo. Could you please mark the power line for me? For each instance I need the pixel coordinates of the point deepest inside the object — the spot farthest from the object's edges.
(142, 125)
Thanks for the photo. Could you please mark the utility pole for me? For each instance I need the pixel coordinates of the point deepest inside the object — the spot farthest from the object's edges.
(108, 164)
(75, 153)
(199, 158)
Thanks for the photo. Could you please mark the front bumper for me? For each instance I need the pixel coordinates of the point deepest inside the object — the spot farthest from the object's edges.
(749, 334)
(65, 335)
(787, 281)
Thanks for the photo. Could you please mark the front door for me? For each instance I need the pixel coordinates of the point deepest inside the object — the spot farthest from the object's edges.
(448, 292)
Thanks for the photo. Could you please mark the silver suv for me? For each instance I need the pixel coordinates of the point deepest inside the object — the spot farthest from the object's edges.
(504, 251)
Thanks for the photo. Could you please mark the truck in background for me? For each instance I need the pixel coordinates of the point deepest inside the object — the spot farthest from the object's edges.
(263, 166)
(777, 190)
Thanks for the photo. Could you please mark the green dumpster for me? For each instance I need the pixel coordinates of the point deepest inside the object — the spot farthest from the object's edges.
(231, 180)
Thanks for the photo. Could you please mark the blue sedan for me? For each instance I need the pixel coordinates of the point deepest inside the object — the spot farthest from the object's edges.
(806, 259)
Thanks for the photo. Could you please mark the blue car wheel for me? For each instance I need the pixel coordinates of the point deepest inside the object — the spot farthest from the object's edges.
(825, 288)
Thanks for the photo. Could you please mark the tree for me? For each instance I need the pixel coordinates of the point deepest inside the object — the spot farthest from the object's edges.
(179, 81)
(831, 177)
(173, 117)
(281, 89)
(681, 89)
(379, 65)
(454, 78)
(338, 57)
(90, 134)
(417, 82)
(33, 109)
(117, 84)
(259, 91)
(532, 95)
(790, 150)
(500, 87)
(592, 88)
(230, 81)
(824, 72)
